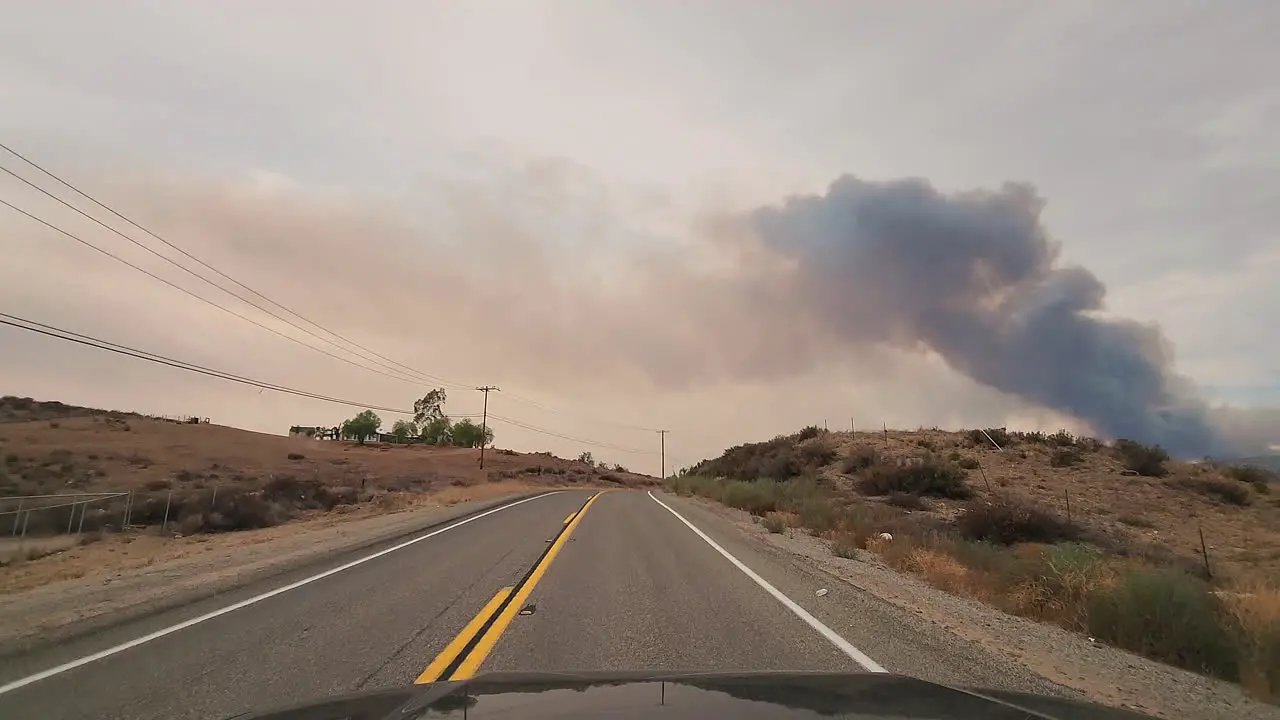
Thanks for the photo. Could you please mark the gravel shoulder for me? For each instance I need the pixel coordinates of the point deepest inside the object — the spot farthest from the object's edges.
(123, 578)
(1069, 664)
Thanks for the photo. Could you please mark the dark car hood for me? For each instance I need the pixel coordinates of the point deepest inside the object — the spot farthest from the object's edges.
(675, 696)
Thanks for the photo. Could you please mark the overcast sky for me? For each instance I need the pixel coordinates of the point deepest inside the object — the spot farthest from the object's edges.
(535, 195)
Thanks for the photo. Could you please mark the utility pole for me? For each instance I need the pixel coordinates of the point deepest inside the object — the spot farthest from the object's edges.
(662, 438)
(484, 421)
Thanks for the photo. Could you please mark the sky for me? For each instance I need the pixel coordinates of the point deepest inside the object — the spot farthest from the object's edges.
(727, 220)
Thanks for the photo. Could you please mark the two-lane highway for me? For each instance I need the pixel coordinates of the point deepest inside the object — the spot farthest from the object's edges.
(566, 581)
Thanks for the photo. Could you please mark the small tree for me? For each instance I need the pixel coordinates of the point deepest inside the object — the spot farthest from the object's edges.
(587, 458)
(438, 431)
(430, 407)
(362, 426)
(469, 434)
(402, 430)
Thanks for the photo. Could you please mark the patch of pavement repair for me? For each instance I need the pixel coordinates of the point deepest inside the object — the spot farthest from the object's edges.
(1093, 671)
(71, 608)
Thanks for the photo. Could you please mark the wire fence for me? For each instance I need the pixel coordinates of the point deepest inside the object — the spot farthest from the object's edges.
(34, 516)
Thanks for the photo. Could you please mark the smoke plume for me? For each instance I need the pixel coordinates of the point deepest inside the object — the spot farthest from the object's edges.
(975, 278)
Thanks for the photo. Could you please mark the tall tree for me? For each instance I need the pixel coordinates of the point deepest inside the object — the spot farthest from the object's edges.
(438, 431)
(402, 430)
(469, 434)
(362, 426)
(429, 407)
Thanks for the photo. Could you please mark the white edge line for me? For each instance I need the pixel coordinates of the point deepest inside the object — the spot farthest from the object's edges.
(845, 646)
(21, 682)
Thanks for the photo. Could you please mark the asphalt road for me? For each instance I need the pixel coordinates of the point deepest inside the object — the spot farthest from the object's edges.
(540, 585)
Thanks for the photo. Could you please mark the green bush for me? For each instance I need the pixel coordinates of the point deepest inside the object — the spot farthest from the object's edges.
(929, 477)
(817, 454)
(774, 524)
(1007, 522)
(1166, 615)
(968, 463)
(1146, 460)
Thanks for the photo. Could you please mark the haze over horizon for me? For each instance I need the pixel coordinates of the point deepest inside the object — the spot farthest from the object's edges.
(721, 222)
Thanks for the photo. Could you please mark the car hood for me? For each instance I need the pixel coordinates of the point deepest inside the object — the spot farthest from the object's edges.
(540, 696)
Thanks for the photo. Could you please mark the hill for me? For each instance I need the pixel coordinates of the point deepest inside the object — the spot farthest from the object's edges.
(1270, 462)
(215, 478)
(1100, 538)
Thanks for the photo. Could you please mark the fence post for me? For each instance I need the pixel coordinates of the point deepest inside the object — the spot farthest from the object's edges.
(1204, 551)
(213, 503)
(1067, 495)
(17, 518)
(83, 507)
(168, 499)
(72, 516)
(128, 506)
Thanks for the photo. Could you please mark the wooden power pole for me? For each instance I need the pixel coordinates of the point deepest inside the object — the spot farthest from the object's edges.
(662, 439)
(484, 421)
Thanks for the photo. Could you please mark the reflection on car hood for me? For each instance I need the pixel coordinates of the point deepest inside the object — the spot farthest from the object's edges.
(541, 696)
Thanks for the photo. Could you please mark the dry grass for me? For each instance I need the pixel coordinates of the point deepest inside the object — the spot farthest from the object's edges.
(1066, 530)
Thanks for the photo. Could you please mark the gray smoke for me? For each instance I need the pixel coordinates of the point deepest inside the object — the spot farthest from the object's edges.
(975, 278)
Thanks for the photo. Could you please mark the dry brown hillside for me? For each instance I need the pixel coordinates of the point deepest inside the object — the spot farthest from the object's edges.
(222, 478)
(1100, 538)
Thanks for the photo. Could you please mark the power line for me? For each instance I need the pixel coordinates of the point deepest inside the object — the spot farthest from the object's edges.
(277, 304)
(191, 272)
(201, 298)
(87, 340)
(562, 436)
(206, 265)
(81, 339)
(556, 411)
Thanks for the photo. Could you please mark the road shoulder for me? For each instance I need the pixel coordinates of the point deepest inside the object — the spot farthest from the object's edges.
(203, 567)
(1058, 658)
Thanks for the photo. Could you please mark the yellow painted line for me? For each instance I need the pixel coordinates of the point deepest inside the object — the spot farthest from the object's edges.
(571, 516)
(490, 638)
(451, 651)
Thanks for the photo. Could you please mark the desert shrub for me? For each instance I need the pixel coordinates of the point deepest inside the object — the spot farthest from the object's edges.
(999, 435)
(773, 523)
(139, 461)
(157, 484)
(968, 463)
(1136, 521)
(1254, 612)
(297, 456)
(860, 458)
(808, 433)
(1065, 457)
(817, 454)
(1166, 615)
(929, 477)
(907, 501)
(927, 444)
(1008, 521)
(776, 459)
(294, 493)
(756, 497)
(1146, 460)
(54, 424)
(1062, 438)
(818, 514)
(846, 545)
(610, 477)
(11, 458)
(1228, 491)
(1036, 437)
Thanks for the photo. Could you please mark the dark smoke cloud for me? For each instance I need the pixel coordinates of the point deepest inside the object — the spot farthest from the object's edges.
(975, 278)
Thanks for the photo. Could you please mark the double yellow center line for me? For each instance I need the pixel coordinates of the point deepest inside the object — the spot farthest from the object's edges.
(462, 656)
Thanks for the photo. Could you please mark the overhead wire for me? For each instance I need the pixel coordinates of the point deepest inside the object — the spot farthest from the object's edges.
(120, 349)
(388, 363)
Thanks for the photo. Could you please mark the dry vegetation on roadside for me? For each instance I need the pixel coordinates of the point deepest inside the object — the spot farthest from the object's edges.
(216, 478)
(1102, 539)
